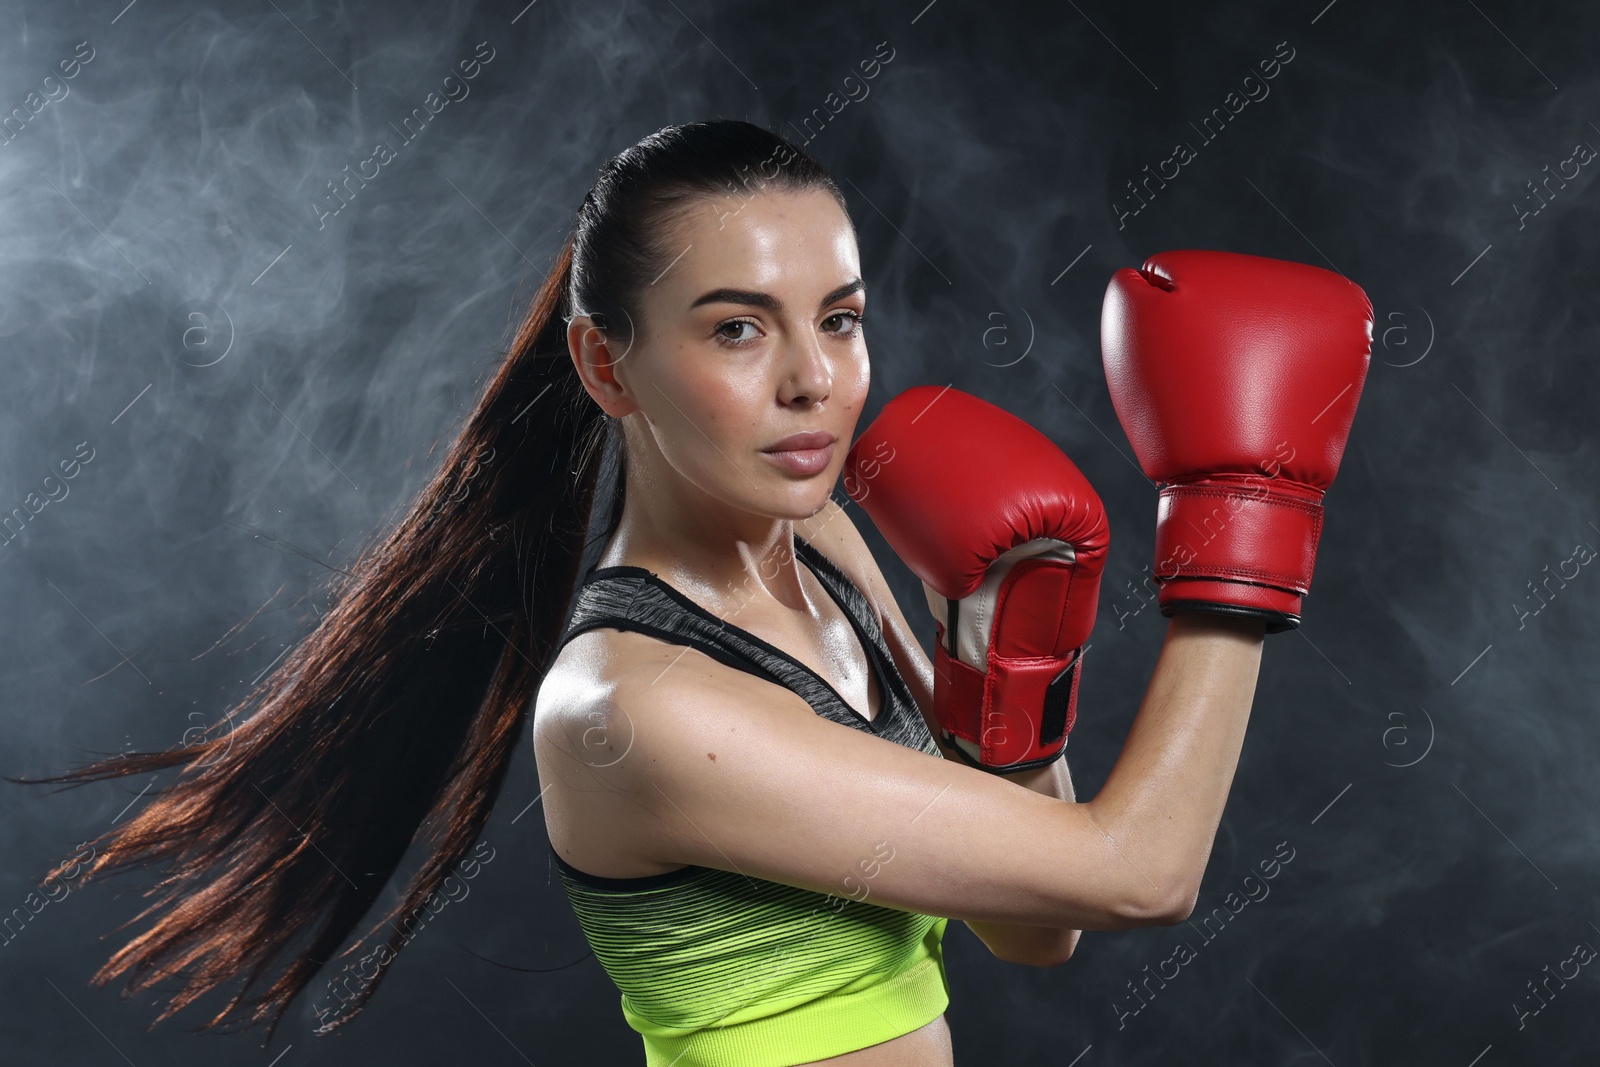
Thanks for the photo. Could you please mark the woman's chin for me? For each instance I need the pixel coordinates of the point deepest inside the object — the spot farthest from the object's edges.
(802, 501)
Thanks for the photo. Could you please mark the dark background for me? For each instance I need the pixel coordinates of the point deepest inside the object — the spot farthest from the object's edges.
(260, 395)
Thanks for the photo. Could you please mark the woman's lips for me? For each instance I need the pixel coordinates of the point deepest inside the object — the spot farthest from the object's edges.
(803, 461)
(809, 439)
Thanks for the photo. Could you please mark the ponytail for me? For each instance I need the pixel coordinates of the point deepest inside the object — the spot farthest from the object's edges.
(395, 720)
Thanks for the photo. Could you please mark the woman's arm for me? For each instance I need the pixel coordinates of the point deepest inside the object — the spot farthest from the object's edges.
(687, 761)
(1180, 755)
(1163, 800)
(1210, 661)
(1038, 946)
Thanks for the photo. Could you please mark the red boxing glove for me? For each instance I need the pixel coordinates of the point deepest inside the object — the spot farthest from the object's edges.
(1009, 540)
(1236, 379)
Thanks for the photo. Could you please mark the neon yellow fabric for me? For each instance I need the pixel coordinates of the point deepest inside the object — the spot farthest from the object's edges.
(720, 970)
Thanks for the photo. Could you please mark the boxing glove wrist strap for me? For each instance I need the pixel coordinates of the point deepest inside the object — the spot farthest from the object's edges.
(1262, 531)
(1238, 544)
(1016, 715)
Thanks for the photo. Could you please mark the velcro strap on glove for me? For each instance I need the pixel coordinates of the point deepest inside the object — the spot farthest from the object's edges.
(1017, 714)
(1255, 530)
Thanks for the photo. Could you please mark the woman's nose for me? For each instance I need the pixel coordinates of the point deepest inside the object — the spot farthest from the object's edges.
(810, 377)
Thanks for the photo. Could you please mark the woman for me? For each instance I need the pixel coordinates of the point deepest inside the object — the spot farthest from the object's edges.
(702, 817)
(707, 307)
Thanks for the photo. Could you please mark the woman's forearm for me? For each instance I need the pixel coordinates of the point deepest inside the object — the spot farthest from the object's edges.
(1163, 800)
(1037, 945)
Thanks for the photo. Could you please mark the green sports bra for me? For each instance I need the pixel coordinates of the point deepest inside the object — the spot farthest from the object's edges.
(717, 969)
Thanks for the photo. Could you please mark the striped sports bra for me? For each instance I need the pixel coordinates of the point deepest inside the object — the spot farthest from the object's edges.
(717, 969)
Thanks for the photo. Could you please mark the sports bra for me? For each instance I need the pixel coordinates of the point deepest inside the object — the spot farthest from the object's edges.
(717, 969)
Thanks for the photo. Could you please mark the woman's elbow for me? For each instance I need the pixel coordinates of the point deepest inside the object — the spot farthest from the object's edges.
(1047, 952)
(1043, 961)
(1168, 909)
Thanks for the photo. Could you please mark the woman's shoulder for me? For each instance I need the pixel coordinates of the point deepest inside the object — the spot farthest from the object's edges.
(604, 667)
(614, 709)
(592, 726)
(605, 684)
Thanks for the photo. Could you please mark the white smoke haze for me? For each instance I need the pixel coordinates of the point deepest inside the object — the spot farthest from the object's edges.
(264, 383)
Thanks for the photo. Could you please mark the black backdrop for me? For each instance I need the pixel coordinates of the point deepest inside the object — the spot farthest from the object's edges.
(246, 383)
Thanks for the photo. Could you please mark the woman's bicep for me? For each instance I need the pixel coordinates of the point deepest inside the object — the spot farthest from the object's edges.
(769, 789)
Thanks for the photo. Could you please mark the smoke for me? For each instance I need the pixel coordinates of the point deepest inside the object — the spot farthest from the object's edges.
(264, 384)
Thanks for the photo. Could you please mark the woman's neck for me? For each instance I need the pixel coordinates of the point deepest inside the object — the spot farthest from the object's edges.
(724, 563)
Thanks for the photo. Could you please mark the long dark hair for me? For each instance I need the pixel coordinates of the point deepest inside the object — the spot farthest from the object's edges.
(394, 721)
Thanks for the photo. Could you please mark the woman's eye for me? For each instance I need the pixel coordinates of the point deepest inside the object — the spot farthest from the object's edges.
(851, 319)
(734, 339)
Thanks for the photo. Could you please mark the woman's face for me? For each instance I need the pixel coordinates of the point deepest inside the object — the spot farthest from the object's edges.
(751, 335)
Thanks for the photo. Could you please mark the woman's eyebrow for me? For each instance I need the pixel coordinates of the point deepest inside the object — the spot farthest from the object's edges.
(768, 302)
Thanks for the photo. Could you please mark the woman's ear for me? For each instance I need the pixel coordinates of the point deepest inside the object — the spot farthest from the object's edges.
(597, 358)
